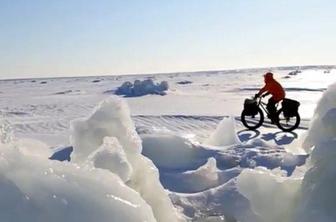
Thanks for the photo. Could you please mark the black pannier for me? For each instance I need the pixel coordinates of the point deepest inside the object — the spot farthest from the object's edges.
(290, 107)
(250, 107)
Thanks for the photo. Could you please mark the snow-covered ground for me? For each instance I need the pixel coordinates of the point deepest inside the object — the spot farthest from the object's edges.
(180, 156)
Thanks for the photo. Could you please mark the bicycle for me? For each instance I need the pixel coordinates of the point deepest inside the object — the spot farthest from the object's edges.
(287, 118)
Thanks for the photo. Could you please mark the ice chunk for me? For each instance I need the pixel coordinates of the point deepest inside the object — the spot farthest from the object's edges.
(35, 189)
(6, 132)
(112, 157)
(317, 193)
(272, 196)
(33, 148)
(173, 152)
(225, 134)
(208, 171)
(141, 88)
(317, 201)
(224, 201)
(112, 119)
(163, 86)
(322, 126)
(205, 177)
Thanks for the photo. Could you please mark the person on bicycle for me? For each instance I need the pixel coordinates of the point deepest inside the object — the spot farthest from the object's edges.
(276, 90)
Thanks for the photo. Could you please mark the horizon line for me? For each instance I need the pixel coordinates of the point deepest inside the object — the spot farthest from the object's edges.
(178, 72)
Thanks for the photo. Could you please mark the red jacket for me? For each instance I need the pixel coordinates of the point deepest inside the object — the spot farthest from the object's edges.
(274, 88)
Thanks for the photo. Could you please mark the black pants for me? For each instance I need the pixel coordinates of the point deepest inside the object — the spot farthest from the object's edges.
(271, 108)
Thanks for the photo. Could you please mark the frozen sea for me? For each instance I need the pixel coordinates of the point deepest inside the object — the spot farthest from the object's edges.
(182, 156)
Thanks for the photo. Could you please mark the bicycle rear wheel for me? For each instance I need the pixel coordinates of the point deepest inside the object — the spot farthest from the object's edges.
(287, 124)
(252, 122)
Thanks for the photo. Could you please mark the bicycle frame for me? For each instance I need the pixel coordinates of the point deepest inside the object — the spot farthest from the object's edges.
(263, 105)
(277, 119)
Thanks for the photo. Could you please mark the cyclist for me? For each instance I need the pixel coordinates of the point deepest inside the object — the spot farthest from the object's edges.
(276, 90)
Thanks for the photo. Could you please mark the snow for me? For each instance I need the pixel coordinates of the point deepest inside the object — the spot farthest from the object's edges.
(311, 198)
(72, 152)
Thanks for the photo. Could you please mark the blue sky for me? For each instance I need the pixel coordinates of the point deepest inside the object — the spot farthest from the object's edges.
(80, 37)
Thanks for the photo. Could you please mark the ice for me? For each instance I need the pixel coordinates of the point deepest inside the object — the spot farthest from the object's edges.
(295, 199)
(35, 189)
(6, 131)
(224, 200)
(225, 134)
(205, 177)
(111, 156)
(207, 173)
(272, 196)
(33, 148)
(172, 151)
(141, 88)
(112, 119)
(320, 128)
(200, 166)
(317, 193)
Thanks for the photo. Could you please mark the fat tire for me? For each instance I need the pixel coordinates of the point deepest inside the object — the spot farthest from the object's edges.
(243, 115)
(295, 126)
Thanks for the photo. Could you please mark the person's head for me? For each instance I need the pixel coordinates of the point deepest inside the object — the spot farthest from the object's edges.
(268, 77)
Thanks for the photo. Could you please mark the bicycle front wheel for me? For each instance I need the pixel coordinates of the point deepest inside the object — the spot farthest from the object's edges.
(252, 122)
(287, 124)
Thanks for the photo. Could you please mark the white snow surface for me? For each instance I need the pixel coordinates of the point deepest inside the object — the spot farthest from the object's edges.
(184, 156)
(306, 198)
(44, 111)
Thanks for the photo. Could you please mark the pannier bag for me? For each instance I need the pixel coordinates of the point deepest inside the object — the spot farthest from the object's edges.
(290, 107)
(250, 107)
